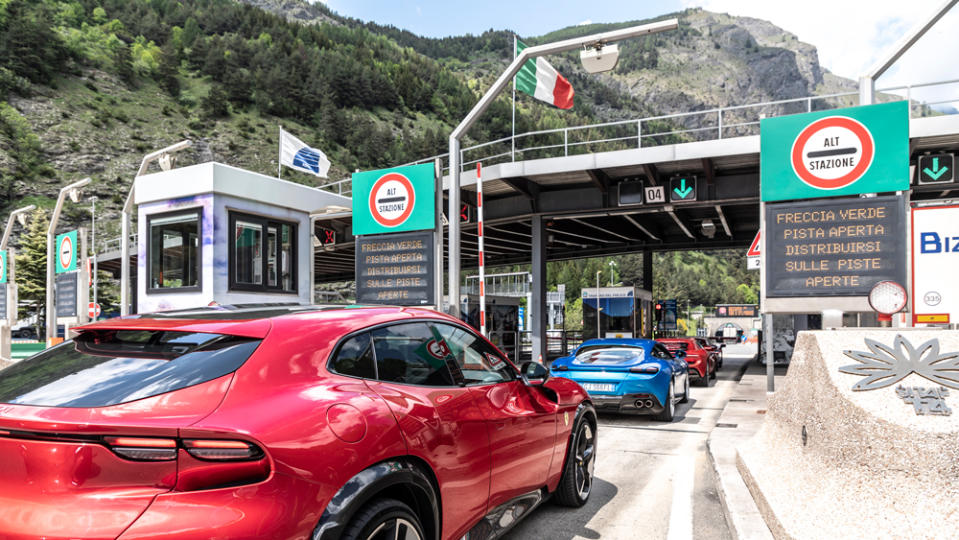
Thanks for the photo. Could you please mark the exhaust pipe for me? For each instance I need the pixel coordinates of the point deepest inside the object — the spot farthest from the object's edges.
(639, 404)
(649, 403)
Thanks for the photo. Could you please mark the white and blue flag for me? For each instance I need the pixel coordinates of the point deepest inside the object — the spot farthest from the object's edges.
(295, 154)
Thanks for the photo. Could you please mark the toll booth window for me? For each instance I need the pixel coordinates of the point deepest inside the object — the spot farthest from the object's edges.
(262, 256)
(174, 251)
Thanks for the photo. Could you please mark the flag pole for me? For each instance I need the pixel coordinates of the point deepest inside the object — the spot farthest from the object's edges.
(279, 155)
(513, 138)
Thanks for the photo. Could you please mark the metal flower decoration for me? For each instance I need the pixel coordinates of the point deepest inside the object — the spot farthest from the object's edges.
(884, 366)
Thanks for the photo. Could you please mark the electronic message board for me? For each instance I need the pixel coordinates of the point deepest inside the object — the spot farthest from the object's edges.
(395, 269)
(834, 247)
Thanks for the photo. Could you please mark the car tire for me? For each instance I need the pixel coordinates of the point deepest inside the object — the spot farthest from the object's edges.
(384, 519)
(686, 391)
(669, 408)
(577, 481)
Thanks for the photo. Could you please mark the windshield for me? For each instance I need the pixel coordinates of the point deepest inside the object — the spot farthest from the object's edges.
(675, 345)
(609, 355)
(109, 367)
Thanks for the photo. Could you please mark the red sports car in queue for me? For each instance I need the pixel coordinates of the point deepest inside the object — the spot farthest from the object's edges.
(701, 360)
(357, 423)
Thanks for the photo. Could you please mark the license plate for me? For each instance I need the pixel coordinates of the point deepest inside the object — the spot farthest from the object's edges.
(599, 387)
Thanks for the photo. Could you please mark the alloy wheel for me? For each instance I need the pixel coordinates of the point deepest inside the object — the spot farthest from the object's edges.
(395, 529)
(585, 460)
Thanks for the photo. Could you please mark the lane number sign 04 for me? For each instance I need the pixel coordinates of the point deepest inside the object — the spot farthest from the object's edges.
(392, 199)
(832, 152)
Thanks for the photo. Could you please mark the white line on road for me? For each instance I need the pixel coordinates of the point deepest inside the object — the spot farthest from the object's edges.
(681, 513)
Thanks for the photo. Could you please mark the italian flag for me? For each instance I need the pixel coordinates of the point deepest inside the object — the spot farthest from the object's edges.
(538, 79)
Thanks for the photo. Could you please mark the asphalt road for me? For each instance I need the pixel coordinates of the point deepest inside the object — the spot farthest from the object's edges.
(652, 480)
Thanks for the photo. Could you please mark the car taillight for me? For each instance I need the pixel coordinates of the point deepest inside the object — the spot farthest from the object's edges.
(222, 450)
(561, 367)
(647, 369)
(143, 448)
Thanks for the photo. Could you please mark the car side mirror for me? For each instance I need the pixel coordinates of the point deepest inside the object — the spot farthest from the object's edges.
(533, 373)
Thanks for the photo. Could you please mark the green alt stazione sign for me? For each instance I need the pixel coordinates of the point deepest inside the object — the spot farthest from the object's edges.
(400, 199)
(66, 252)
(836, 152)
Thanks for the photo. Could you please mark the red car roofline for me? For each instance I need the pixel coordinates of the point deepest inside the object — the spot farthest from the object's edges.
(251, 328)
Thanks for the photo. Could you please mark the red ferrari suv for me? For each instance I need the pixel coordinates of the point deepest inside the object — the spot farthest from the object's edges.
(701, 358)
(321, 422)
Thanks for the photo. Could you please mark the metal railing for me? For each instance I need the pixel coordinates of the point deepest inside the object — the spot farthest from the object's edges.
(710, 124)
(113, 244)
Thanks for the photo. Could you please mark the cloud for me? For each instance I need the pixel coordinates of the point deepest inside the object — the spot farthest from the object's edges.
(853, 35)
(584, 23)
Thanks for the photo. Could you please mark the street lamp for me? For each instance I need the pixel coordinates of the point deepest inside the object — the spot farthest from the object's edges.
(600, 42)
(73, 191)
(611, 265)
(166, 163)
(10, 317)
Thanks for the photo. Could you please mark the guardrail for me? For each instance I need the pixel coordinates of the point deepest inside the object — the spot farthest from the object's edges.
(709, 124)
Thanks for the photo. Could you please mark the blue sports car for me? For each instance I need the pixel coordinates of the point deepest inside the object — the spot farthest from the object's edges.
(628, 375)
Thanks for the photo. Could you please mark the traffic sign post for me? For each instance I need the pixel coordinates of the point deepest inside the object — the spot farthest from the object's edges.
(754, 253)
(66, 252)
(936, 169)
(837, 152)
(682, 188)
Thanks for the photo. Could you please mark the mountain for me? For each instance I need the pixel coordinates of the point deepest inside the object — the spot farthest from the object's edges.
(87, 87)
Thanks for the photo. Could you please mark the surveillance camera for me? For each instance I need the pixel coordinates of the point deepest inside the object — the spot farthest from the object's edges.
(74, 195)
(22, 219)
(600, 58)
(709, 228)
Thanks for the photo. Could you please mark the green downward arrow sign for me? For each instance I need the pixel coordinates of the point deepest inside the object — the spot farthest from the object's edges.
(936, 172)
(683, 190)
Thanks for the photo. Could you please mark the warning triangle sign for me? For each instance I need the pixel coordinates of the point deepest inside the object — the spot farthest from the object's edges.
(755, 247)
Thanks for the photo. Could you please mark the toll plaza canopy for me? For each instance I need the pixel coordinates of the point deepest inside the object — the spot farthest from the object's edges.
(693, 195)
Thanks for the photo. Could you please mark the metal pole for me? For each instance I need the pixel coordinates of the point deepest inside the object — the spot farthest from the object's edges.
(770, 354)
(479, 240)
(454, 229)
(279, 157)
(438, 262)
(83, 287)
(51, 231)
(93, 245)
(487, 100)
(512, 152)
(598, 326)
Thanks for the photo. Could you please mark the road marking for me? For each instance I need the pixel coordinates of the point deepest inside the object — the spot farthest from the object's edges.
(681, 512)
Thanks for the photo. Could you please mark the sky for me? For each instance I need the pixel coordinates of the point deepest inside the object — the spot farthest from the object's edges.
(850, 35)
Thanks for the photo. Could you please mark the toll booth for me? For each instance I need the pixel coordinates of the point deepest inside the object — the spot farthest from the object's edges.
(502, 320)
(216, 233)
(622, 311)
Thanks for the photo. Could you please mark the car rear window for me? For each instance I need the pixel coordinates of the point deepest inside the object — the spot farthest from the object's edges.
(109, 367)
(675, 345)
(610, 356)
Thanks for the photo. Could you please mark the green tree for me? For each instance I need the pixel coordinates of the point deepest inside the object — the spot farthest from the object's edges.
(32, 268)
(215, 104)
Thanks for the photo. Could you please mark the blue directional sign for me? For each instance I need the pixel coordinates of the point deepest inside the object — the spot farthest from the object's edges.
(936, 169)
(682, 188)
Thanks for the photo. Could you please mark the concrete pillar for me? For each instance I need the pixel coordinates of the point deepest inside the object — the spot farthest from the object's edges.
(537, 306)
(768, 333)
(648, 270)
